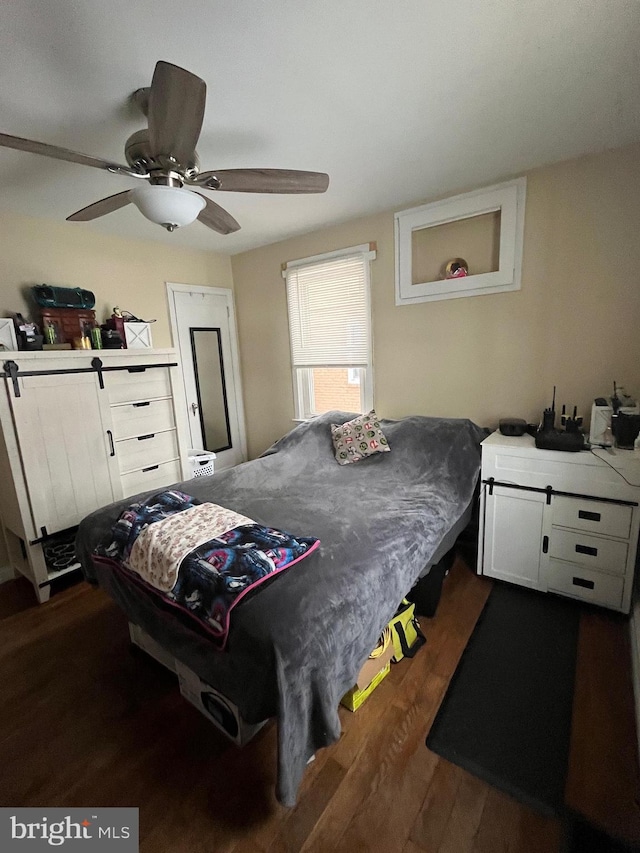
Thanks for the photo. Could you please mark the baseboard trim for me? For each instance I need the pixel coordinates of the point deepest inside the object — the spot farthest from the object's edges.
(634, 629)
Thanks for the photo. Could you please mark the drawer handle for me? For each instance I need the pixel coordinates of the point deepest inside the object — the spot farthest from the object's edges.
(136, 369)
(586, 549)
(140, 405)
(583, 583)
(589, 516)
(150, 468)
(145, 437)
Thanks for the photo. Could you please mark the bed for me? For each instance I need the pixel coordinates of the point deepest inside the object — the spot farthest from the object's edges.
(296, 644)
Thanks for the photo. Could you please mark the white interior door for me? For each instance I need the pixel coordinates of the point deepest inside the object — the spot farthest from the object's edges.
(204, 331)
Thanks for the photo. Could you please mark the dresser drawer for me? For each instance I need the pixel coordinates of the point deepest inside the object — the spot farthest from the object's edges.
(144, 450)
(592, 516)
(594, 552)
(126, 386)
(152, 477)
(140, 418)
(585, 584)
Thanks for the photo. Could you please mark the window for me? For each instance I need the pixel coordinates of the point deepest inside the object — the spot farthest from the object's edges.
(328, 299)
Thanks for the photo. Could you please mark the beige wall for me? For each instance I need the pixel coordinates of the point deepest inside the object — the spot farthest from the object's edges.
(128, 273)
(476, 240)
(575, 323)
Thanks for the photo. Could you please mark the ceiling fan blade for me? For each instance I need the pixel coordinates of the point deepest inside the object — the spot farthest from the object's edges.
(263, 181)
(33, 147)
(101, 208)
(176, 110)
(217, 218)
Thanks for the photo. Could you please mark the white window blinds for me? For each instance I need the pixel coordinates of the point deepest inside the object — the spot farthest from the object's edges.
(329, 316)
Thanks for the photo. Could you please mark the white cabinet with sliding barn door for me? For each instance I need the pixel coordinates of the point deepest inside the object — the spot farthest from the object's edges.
(78, 431)
(560, 522)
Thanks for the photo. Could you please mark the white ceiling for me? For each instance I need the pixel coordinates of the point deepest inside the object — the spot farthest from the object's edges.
(398, 100)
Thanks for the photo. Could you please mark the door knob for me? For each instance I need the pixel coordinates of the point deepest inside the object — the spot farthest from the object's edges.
(194, 407)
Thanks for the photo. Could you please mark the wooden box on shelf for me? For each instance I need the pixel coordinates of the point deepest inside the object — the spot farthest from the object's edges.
(68, 323)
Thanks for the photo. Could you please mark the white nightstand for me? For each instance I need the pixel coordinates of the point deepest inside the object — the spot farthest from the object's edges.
(560, 522)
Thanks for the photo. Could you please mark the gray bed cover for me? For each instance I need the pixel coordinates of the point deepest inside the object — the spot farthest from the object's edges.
(296, 645)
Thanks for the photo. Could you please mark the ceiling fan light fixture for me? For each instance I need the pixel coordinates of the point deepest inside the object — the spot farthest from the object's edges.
(171, 207)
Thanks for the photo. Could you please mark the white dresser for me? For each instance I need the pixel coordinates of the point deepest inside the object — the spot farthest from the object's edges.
(560, 522)
(80, 430)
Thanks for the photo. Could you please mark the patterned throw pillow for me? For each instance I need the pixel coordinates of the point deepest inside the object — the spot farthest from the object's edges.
(358, 438)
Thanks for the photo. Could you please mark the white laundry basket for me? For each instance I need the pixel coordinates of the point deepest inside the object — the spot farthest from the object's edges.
(202, 463)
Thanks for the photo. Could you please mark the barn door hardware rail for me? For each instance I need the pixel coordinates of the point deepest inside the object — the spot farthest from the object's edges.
(549, 491)
(12, 371)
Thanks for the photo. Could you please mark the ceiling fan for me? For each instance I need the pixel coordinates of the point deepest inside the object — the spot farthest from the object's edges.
(164, 156)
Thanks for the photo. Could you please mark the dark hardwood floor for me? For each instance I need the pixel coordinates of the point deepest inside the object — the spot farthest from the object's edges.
(87, 723)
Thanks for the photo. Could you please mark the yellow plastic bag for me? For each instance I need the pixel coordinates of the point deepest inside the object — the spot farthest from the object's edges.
(407, 636)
